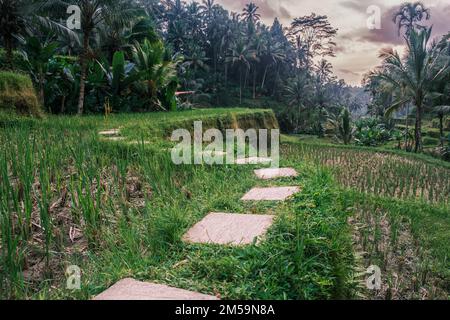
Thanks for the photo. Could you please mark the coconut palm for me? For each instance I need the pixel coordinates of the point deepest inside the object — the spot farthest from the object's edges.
(156, 70)
(208, 8)
(241, 55)
(93, 14)
(409, 15)
(250, 14)
(342, 125)
(298, 95)
(418, 72)
(17, 20)
(37, 55)
(273, 54)
(441, 112)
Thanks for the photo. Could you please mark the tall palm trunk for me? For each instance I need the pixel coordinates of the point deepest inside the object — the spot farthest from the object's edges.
(418, 128)
(63, 104)
(226, 76)
(441, 129)
(277, 75)
(254, 83)
(41, 87)
(407, 127)
(84, 62)
(240, 86)
(264, 77)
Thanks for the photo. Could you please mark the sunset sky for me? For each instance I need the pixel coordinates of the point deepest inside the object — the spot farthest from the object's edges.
(358, 47)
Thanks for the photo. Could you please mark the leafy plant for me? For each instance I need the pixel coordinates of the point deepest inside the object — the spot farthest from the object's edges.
(342, 125)
(157, 74)
(37, 55)
(370, 132)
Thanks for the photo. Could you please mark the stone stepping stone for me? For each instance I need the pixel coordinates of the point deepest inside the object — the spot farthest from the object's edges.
(214, 153)
(253, 160)
(130, 289)
(139, 142)
(273, 173)
(229, 229)
(114, 138)
(270, 194)
(109, 133)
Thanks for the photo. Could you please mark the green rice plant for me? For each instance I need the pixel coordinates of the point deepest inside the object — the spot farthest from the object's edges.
(44, 205)
(11, 254)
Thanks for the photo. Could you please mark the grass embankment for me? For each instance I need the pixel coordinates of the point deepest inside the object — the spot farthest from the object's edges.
(119, 210)
(17, 96)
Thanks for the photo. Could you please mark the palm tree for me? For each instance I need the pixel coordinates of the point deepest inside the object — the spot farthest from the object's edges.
(298, 94)
(272, 55)
(17, 19)
(208, 8)
(241, 55)
(409, 15)
(418, 72)
(196, 60)
(155, 69)
(93, 14)
(250, 14)
(37, 55)
(441, 112)
(323, 70)
(342, 125)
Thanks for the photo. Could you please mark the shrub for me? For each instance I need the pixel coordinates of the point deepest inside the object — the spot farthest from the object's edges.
(18, 61)
(370, 132)
(17, 95)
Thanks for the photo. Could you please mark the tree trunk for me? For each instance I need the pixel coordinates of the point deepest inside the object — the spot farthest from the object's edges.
(441, 129)
(84, 61)
(418, 129)
(246, 77)
(41, 89)
(264, 78)
(63, 104)
(240, 86)
(254, 84)
(277, 74)
(407, 127)
(226, 76)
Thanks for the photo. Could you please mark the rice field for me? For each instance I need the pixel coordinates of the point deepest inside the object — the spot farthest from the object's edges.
(381, 173)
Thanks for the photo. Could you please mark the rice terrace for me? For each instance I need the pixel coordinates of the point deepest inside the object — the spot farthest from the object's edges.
(224, 150)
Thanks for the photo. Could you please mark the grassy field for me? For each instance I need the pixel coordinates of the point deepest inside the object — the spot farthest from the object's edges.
(119, 209)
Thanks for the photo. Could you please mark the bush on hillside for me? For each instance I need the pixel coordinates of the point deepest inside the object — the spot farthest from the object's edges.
(18, 61)
(17, 95)
(371, 132)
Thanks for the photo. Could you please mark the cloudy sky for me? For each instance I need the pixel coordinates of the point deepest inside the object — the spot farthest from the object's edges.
(358, 46)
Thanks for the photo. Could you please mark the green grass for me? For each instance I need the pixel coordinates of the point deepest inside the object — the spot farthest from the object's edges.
(118, 210)
(127, 233)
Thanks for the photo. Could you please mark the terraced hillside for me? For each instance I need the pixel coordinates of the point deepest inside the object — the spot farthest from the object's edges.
(117, 207)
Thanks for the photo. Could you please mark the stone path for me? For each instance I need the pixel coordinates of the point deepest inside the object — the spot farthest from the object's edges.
(216, 228)
(130, 289)
(229, 229)
(273, 173)
(111, 135)
(253, 160)
(270, 194)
